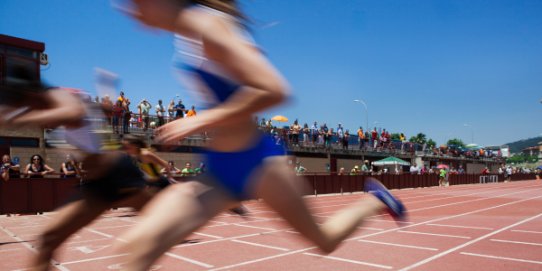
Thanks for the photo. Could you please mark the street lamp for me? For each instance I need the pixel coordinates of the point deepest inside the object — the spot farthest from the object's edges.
(366, 112)
(471, 132)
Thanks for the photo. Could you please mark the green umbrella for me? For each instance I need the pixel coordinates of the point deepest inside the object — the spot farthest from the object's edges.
(391, 161)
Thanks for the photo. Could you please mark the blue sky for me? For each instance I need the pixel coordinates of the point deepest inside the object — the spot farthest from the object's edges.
(421, 66)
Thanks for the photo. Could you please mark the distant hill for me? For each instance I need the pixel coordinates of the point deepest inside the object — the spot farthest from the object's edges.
(518, 146)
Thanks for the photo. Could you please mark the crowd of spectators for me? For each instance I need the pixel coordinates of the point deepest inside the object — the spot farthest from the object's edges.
(70, 168)
(379, 140)
(122, 118)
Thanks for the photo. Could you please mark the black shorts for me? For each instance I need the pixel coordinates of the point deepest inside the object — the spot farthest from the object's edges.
(123, 179)
(160, 183)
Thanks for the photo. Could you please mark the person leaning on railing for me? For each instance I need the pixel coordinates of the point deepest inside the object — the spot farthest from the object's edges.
(9, 169)
(37, 167)
(70, 168)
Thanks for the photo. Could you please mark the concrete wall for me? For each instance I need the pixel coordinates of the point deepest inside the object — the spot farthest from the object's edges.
(348, 164)
(313, 164)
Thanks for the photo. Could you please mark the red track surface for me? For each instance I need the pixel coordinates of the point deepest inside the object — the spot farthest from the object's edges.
(468, 227)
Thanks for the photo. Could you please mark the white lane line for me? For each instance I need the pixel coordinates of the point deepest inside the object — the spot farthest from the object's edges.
(19, 239)
(461, 227)
(349, 261)
(500, 258)
(55, 263)
(389, 221)
(229, 267)
(516, 242)
(255, 227)
(537, 232)
(208, 235)
(370, 228)
(85, 241)
(99, 233)
(444, 253)
(435, 234)
(398, 245)
(189, 260)
(95, 259)
(114, 227)
(260, 245)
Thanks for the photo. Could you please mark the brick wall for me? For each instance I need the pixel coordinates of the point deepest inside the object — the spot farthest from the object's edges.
(22, 132)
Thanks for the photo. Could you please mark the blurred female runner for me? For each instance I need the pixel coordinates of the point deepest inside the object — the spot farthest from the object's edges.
(112, 178)
(218, 59)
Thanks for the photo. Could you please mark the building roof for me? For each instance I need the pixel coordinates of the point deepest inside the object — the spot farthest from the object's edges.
(22, 43)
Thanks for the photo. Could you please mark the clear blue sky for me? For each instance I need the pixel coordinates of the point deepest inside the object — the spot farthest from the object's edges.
(421, 66)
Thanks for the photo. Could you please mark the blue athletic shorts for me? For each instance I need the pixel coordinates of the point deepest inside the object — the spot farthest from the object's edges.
(233, 169)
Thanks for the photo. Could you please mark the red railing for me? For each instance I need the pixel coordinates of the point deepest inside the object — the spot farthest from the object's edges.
(43, 195)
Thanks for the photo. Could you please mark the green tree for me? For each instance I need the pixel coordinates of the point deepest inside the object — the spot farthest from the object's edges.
(456, 142)
(431, 143)
(395, 136)
(420, 138)
(522, 158)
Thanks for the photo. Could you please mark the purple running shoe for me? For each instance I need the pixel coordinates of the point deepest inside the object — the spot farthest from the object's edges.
(395, 206)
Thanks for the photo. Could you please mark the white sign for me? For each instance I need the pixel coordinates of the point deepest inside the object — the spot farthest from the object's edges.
(44, 59)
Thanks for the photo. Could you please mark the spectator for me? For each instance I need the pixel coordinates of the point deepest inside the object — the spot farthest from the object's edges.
(306, 132)
(171, 110)
(414, 169)
(508, 174)
(355, 170)
(126, 117)
(9, 169)
(341, 171)
(423, 170)
(295, 129)
(374, 138)
(144, 109)
(345, 139)
(329, 136)
(160, 112)
(340, 133)
(171, 169)
(70, 168)
(117, 114)
(402, 137)
(314, 133)
(179, 110)
(37, 167)
(192, 112)
(200, 169)
(262, 122)
(442, 177)
(365, 167)
(188, 170)
(299, 169)
(461, 170)
(121, 97)
(361, 138)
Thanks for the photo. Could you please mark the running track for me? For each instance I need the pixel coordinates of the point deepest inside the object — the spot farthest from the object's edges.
(467, 227)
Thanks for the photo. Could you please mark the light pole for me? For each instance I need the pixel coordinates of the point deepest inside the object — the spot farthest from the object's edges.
(366, 112)
(471, 132)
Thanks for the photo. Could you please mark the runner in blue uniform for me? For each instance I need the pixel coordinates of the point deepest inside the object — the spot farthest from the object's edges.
(217, 59)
